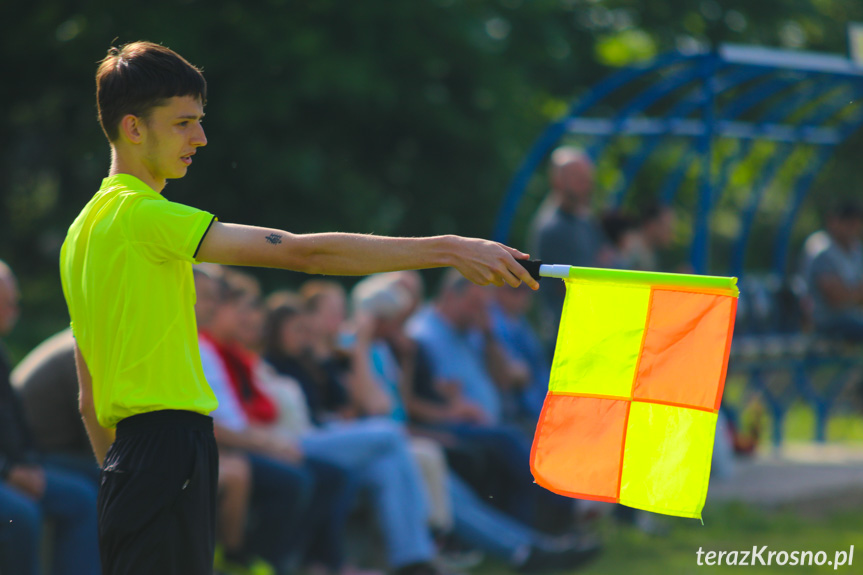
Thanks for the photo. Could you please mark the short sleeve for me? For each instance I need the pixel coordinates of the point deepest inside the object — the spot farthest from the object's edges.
(166, 230)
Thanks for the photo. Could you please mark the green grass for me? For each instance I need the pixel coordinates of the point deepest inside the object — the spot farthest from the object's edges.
(726, 528)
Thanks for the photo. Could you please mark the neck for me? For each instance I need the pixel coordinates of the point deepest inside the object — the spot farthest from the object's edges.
(574, 207)
(846, 244)
(124, 163)
(218, 335)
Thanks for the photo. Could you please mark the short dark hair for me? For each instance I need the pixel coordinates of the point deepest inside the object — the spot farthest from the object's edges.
(652, 211)
(137, 77)
(452, 282)
(276, 318)
(616, 223)
(845, 209)
(313, 292)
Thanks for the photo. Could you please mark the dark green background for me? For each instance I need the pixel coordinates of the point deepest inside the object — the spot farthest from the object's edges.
(376, 116)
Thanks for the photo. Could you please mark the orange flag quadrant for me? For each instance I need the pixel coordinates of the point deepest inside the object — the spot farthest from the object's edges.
(634, 393)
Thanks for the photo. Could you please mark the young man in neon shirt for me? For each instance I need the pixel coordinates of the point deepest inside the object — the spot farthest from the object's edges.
(127, 278)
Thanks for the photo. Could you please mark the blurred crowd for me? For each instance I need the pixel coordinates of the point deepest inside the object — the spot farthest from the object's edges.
(420, 412)
(379, 414)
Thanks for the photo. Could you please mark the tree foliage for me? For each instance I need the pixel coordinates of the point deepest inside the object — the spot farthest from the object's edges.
(376, 116)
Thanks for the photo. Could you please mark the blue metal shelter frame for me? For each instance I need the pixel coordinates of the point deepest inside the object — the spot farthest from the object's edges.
(805, 103)
(799, 100)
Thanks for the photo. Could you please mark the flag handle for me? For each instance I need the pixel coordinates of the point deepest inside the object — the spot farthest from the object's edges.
(538, 270)
(534, 268)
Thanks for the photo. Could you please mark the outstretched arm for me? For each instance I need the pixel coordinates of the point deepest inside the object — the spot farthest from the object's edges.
(100, 437)
(481, 261)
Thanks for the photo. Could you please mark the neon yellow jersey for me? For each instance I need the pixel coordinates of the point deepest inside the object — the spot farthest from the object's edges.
(127, 278)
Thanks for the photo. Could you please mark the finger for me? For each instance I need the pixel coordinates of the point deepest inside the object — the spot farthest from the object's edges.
(510, 278)
(515, 253)
(494, 277)
(483, 278)
(522, 274)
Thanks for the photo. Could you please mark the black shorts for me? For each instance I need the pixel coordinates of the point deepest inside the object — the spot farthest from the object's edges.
(157, 500)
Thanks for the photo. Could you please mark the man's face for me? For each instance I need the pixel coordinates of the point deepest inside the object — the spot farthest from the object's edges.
(226, 319)
(472, 307)
(173, 133)
(330, 313)
(8, 304)
(847, 230)
(575, 182)
(251, 321)
(660, 231)
(294, 333)
(514, 301)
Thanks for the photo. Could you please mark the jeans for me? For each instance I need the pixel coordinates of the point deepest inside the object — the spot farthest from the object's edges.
(485, 528)
(81, 465)
(70, 502)
(507, 449)
(377, 452)
(281, 494)
(323, 534)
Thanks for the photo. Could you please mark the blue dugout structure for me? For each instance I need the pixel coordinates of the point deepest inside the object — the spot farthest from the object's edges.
(805, 103)
(800, 100)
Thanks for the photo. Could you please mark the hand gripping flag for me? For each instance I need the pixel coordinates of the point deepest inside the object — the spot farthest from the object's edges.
(635, 388)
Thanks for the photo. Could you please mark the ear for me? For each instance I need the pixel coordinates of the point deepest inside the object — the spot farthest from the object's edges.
(132, 129)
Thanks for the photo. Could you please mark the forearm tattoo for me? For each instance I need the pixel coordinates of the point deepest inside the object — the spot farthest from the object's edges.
(274, 238)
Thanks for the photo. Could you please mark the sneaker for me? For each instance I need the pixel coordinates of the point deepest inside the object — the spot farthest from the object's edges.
(560, 557)
(460, 560)
(453, 555)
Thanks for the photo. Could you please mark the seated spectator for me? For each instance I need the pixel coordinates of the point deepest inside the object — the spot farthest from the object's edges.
(299, 499)
(376, 450)
(383, 310)
(508, 312)
(461, 395)
(343, 366)
(235, 485)
(475, 522)
(835, 275)
(47, 382)
(280, 489)
(457, 334)
(31, 489)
